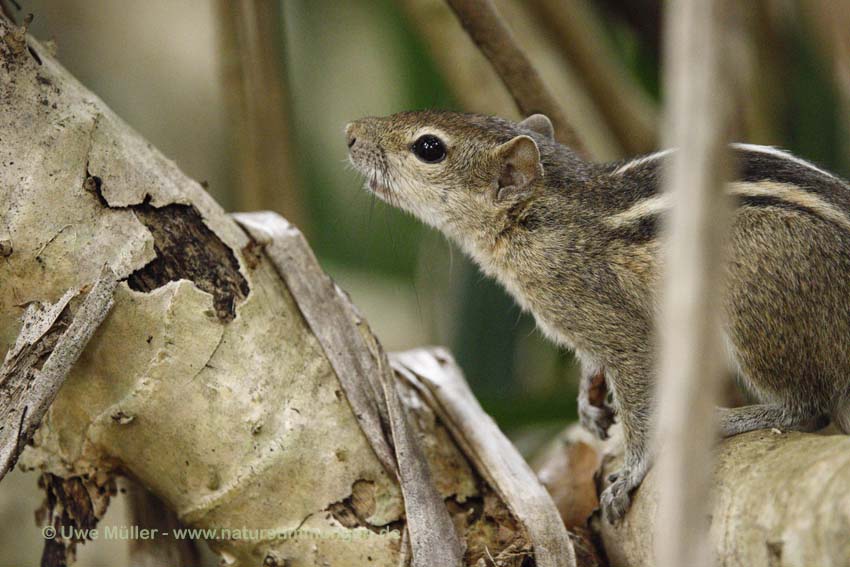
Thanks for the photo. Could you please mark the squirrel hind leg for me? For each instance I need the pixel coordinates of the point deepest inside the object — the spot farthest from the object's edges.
(734, 421)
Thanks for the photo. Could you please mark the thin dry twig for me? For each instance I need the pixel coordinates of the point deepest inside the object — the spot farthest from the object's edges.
(629, 112)
(489, 31)
(471, 79)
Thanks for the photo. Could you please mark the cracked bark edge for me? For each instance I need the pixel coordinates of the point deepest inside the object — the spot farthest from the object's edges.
(433, 538)
(434, 373)
(368, 384)
(40, 360)
(185, 248)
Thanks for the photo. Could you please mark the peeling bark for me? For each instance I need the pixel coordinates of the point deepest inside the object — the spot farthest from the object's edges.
(51, 339)
(440, 381)
(213, 383)
(489, 528)
(187, 249)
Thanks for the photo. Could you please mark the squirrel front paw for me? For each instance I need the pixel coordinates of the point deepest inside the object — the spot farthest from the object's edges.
(616, 499)
(596, 419)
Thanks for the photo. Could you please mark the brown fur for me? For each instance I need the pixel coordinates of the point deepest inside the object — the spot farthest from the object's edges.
(559, 242)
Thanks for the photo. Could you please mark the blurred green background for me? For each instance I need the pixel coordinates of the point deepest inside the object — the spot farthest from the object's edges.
(159, 65)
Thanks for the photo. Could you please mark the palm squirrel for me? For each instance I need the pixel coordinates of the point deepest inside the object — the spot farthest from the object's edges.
(577, 244)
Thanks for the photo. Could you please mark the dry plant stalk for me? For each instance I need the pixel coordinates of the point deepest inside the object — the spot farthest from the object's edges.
(698, 118)
(252, 49)
(490, 32)
(627, 109)
(469, 76)
(476, 85)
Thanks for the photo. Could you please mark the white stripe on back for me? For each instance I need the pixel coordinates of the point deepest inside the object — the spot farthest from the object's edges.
(770, 150)
(644, 208)
(786, 192)
(792, 194)
(642, 160)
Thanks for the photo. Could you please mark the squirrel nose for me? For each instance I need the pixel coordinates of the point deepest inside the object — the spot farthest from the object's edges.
(350, 134)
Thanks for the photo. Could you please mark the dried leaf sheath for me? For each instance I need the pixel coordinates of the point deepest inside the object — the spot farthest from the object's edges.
(51, 339)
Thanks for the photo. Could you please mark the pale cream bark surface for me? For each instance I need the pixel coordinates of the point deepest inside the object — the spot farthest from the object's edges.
(205, 383)
(779, 499)
(217, 418)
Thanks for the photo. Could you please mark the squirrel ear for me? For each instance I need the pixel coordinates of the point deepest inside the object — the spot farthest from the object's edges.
(519, 162)
(539, 123)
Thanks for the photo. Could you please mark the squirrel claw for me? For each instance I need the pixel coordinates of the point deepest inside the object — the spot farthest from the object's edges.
(616, 499)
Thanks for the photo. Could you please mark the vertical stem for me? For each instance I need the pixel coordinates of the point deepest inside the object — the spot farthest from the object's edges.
(252, 50)
(628, 111)
(765, 96)
(698, 118)
(488, 30)
(473, 82)
(830, 23)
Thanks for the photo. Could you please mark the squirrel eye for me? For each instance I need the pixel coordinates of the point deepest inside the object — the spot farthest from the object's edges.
(429, 148)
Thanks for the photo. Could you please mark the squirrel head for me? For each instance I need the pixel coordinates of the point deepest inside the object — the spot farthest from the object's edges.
(461, 173)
